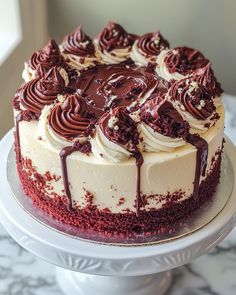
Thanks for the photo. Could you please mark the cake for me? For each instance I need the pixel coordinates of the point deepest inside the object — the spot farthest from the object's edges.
(119, 136)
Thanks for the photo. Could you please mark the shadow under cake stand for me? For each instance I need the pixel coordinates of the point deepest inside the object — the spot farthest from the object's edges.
(84, 267)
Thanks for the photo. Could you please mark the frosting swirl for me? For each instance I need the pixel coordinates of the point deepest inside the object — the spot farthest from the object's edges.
(48, 57)
(114, 43)
(116, 136)
(184, 60)
(78, 43)
(146, 48)
(152, 43)
(162, 117)
(179, 62)
(194, 102)
(119, 127)
(205, 76)
(114, 36)
(42, 91)
(69, 119)
(162, 127)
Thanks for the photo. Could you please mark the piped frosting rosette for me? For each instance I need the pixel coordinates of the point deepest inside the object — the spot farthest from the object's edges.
(194, 103)
(147, 47)
(179, 63)
(47, 58)
(162, 127)
(78, 50)
(205, 77)
(114, 44)
(39, 92)
(116, 136)
(66, 122)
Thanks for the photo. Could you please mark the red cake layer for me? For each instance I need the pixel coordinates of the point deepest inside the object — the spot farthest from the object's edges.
(116, 227)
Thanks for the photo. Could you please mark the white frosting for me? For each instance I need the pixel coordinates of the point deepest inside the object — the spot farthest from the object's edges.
(105, 149)
(162, 70)
(113, 57)
(138, 56)
(28, 73)
(155, 142)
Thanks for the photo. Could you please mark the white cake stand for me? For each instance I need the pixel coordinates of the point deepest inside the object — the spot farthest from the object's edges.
(91, 268)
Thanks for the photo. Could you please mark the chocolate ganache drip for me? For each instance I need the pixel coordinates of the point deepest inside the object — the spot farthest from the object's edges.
(194, 97)
(114, 36)
(47, 57)
(205, 77)
(78, 43)
(70, 119)
(162, 117)
(42, 91)
(201, 159)
(184, 60)
(109, 86)
(151, 44)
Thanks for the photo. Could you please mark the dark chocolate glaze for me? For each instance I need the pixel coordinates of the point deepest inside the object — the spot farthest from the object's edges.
(139, 162)
(19, 118)
(64, 153)
(109, 86)
(201, 159)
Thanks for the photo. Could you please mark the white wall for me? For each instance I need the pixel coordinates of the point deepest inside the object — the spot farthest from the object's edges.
(208, 25)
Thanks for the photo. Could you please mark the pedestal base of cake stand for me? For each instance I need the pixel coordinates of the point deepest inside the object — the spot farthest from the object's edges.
(74, 283)
(85, 267)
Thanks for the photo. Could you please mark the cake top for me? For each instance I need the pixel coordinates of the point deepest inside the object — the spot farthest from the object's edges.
(118, 94)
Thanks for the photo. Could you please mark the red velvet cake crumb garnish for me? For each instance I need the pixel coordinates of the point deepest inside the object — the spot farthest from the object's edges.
(162, 117)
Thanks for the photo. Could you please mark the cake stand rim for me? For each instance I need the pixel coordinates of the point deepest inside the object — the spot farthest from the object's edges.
(112, 252)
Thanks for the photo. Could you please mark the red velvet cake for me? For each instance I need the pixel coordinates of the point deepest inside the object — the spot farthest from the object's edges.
(120, 135)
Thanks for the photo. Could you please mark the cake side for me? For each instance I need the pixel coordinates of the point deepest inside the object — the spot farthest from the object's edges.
(112, 185)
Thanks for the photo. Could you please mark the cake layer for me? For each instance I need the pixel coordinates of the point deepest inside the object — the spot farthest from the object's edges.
(111, 187)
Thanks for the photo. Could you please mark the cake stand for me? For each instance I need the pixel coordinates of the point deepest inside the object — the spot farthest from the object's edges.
(88, 268)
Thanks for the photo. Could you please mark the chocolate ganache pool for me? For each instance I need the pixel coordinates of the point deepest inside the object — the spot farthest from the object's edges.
(121, 134)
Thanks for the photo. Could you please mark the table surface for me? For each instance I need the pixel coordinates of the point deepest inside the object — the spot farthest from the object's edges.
(21, 273)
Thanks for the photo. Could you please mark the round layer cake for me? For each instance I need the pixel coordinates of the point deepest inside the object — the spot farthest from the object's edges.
(119, 135)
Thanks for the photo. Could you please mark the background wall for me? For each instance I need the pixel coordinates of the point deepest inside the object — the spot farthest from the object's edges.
(208, 25)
